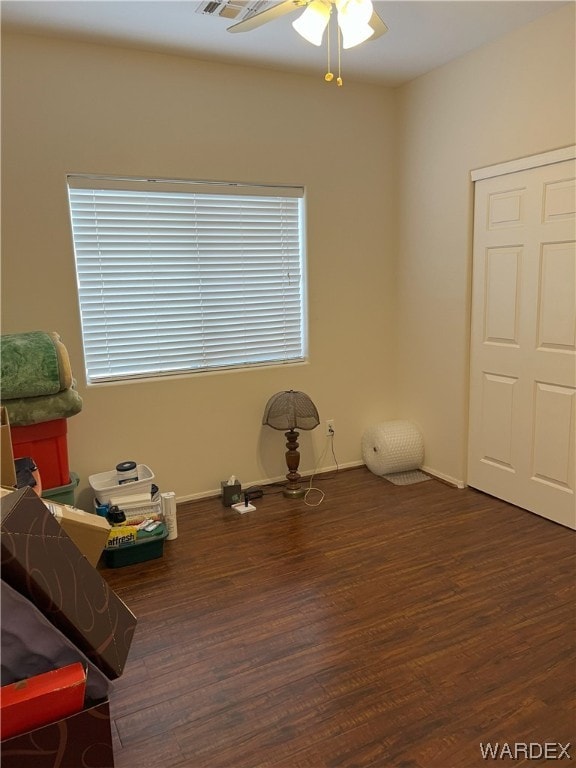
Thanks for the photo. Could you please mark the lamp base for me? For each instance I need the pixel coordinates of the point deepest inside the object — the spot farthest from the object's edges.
(294, 493)
(293, 490)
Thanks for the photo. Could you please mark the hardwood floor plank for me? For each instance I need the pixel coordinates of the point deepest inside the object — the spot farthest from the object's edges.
(392, 626)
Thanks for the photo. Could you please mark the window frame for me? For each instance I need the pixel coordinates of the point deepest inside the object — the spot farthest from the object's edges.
(286, 246)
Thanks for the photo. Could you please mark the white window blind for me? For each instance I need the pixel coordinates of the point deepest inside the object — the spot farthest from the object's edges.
(183, 276)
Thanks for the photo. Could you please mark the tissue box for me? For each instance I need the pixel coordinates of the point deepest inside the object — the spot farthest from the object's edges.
(231, 494)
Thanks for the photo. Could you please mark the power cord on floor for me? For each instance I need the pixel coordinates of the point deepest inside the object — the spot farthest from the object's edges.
(279, 485)
(310, 486)
(333, 454)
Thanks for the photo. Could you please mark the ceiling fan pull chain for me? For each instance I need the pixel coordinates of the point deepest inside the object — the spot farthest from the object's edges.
(339, 78)
(328, 76)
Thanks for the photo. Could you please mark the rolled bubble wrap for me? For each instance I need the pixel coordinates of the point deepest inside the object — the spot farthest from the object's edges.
(391, 447)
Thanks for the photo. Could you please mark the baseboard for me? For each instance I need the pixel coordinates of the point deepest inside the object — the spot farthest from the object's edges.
(444, 478)
(270, 481)
(454, 482)
(334, 468)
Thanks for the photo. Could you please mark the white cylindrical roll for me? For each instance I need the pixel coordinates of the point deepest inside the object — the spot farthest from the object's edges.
(392, 446)
(169, 512)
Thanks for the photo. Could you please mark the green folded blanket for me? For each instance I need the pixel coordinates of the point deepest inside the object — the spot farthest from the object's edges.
(34, 410)
(33, 364)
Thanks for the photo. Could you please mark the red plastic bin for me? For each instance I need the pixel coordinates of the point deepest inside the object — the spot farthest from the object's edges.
(47, 444)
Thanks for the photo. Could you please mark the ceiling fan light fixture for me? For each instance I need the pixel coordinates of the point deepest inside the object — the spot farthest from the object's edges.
(357, 22)
(353, 18)
(359, 35)
(312, 24)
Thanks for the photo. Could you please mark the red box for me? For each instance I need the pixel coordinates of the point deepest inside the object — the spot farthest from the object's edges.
(65, 744)
(42, 699)
(47, 444)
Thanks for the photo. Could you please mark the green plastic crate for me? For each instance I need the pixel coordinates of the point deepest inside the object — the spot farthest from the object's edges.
(149, 548)
(63, 494)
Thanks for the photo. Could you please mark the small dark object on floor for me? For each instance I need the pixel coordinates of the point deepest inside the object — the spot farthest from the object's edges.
(24, 469)
(254, 493)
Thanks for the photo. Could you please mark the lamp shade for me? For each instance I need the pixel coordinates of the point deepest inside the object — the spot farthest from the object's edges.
(290, 410)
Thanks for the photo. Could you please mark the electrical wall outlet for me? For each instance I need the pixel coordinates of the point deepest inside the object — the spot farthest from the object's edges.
(330, 427)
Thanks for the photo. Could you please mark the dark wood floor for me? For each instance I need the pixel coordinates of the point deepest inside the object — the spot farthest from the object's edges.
(390, 626)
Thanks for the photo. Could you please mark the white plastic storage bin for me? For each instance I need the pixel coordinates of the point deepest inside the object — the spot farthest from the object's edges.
(105, 484)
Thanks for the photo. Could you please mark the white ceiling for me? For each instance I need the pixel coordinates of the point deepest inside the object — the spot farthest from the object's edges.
(423, 34)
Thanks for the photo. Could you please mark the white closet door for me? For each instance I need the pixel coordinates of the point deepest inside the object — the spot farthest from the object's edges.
(522, 430)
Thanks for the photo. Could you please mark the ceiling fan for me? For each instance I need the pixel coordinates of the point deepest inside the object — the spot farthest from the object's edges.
(357, 22)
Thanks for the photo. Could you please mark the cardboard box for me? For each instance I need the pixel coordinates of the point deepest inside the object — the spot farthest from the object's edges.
(31, 645)
(88, 531)
(64, 744)
(40, 561)
(41, 699)
(7, 468)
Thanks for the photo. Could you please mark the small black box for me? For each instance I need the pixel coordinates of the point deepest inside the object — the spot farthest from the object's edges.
(231, 494)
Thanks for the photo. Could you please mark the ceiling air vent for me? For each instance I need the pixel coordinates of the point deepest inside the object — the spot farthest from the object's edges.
(233, 9)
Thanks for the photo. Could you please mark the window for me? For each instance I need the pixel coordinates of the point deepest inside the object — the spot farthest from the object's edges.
(178, 277)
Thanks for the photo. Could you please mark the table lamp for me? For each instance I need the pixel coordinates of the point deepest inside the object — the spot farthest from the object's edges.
(289, 411)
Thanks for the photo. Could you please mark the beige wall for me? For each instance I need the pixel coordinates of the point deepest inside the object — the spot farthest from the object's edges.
(389, 199)
(509, 99)
(71, 107)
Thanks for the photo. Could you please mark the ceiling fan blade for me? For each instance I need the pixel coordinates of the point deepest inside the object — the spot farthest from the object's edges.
(268, 15)
(377, 25)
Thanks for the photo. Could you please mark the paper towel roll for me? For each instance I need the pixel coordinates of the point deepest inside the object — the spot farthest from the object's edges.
(169, 512)
(392, 446)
